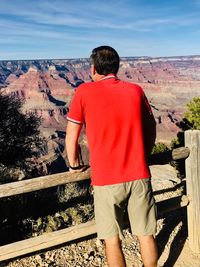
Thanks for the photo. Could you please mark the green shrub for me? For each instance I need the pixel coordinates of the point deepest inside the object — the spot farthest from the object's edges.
(192, 115)
(159, 148)
(191, 120)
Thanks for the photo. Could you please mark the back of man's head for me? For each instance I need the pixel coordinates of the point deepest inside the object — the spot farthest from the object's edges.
(105, 60)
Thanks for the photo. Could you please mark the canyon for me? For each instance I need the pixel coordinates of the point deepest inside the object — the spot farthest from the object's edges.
(47, 87)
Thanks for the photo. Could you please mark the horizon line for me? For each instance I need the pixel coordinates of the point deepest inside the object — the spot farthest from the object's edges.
(86, 58)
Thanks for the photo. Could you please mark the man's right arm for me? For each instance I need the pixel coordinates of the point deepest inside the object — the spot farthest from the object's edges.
(71, 142)
(75, 122)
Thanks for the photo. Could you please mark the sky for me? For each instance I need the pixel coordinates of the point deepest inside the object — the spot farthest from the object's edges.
(55, 29)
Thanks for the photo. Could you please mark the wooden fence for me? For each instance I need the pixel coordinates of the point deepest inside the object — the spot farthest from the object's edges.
(191, 152)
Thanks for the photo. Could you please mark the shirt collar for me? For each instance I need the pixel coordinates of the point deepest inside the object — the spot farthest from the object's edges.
(109, 76)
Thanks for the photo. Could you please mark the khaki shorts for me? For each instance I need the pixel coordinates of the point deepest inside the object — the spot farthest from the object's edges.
(111, 201)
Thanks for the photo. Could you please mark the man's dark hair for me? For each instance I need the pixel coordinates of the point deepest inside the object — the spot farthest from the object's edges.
(105, 59)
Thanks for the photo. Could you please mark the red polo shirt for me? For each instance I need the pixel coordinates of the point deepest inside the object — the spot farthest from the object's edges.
(114, 112)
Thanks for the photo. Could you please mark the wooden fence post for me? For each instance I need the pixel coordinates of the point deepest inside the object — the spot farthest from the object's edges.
(192, 141)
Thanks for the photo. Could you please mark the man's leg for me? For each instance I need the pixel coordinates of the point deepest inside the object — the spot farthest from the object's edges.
(114, 254)
(142, 216)
(108, 204)
(148, 250)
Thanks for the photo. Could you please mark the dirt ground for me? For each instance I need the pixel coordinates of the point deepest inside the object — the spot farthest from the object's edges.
(171, 237)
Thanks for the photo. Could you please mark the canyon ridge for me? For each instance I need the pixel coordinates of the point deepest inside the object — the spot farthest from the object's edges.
(47, 87)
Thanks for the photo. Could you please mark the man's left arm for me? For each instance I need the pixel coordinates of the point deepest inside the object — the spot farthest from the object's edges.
(149, 126)
(149, 133)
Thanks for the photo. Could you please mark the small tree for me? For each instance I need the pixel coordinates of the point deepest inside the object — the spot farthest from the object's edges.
(191, 120)
(19, 133)
(193, 113)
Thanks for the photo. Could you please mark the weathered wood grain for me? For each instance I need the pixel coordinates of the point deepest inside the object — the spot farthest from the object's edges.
(47, 240)
(192, 141)
(43, 182)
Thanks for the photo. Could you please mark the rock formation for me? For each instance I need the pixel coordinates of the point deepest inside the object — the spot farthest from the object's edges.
(47, 87)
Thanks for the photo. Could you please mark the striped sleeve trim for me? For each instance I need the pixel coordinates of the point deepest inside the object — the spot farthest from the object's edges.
(75, 121)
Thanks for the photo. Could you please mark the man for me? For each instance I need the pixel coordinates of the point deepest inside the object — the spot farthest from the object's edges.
(120, 129)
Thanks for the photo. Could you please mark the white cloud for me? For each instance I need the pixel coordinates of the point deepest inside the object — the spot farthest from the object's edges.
(128, 25)
(116, 15)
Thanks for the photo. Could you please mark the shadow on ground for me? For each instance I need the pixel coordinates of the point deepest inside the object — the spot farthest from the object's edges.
(172, 237)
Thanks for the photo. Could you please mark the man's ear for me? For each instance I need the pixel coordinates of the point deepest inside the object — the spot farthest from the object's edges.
(93, 70)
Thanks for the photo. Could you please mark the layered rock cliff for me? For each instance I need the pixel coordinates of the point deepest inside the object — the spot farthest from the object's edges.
(47, 87)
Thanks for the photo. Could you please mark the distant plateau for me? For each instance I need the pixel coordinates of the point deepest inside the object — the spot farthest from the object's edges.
(47, 87)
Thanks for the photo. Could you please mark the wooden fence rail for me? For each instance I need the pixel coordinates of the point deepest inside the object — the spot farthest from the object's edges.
(47, 240)
(59, 237)
(43, 182)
